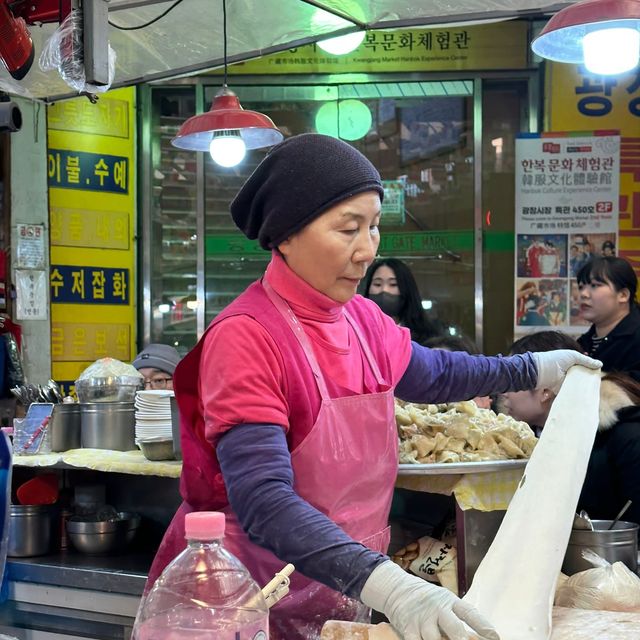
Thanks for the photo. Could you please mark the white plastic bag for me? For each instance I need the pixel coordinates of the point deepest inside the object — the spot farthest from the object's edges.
(64, 52)
(110, 368)
(606, 587)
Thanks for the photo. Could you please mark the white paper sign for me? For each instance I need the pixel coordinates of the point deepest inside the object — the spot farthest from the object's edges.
(566, 213)
(30, 250)
(31, 295)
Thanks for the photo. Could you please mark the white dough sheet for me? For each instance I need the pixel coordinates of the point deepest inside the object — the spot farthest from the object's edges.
(515, 582)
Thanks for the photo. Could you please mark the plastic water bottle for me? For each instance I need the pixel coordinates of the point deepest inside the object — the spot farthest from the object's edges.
(205, 593)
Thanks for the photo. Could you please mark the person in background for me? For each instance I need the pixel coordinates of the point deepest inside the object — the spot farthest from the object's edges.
(533, 253)
(287, 404)
(157, 363)
(613, 475)
(556, 311)
(608, 288)
(391, 285)
(549, 260)
(587, 249)
(608, 248)
(575, 259)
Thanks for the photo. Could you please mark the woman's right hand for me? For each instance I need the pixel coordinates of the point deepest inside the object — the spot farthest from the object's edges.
(419, 610)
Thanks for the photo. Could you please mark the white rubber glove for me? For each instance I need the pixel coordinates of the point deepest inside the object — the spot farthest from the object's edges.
(419, 610)
(552, 366)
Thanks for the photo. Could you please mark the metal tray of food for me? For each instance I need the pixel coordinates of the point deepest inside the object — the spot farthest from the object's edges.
(449, 468)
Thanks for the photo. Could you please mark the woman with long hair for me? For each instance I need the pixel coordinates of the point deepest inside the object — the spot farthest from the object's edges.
(391, 285)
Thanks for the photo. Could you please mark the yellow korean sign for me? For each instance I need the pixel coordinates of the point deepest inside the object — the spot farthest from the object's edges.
(493, 46)
(91, 173)
(578, 101)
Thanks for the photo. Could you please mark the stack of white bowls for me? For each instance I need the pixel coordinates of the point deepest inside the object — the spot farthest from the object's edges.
(153, 414)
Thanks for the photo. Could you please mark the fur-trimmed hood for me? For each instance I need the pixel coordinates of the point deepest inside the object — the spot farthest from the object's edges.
(612, 399)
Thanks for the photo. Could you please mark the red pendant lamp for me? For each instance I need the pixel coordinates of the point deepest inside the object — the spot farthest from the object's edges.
(603, 35)
(227, 130)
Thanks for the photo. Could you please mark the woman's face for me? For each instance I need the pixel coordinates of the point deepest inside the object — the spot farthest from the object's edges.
(384, 281)
(333, 252)
(531, 407)
(601, 303)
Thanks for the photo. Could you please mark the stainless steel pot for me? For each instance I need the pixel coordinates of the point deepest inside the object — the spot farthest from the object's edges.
(65, 427)
(33, 530)
(103, 536)
(619, 544)
(108, 425)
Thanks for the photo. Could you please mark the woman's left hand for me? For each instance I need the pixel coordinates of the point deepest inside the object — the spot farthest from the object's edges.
(552, 366)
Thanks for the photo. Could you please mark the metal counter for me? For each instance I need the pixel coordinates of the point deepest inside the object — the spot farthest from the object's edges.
(73, 596)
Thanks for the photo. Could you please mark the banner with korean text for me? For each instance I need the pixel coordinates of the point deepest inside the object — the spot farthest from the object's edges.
(579, 100)
(566, 212)
(451, 48)
(91, 173)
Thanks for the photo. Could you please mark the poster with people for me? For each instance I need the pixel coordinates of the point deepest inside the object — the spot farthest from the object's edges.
(567, 188)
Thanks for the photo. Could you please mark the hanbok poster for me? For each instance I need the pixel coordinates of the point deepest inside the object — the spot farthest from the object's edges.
(567, 198)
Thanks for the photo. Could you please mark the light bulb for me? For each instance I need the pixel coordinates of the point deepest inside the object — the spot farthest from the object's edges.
(342, 44)
(163, 307)
(611, 51)
(322, 21)
(349, 120)
(227, 149)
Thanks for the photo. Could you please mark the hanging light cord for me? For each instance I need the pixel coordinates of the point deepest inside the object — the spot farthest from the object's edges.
(224, 38)
(146, 24)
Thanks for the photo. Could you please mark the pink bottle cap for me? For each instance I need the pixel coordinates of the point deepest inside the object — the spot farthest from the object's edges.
(204, 525)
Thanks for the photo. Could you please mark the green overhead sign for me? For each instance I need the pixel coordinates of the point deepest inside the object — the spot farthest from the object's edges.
(414, 243)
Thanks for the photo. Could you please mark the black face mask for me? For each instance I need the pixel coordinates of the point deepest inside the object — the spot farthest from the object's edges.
(390, 303)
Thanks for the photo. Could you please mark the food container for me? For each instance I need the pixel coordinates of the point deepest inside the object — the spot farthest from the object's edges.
(109, 389)
(618, 544)
(158, 448)
(33, 530)
(103, 536)
(64, 427)
(108, 425)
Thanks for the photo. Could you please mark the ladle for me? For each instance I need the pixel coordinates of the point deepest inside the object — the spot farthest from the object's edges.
(622, 512)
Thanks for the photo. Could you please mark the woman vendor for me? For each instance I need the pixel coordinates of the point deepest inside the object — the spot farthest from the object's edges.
(287, 409)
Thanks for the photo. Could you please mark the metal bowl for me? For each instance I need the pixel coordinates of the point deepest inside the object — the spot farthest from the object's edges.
(158, 448)
(109, 389)
(103, 536)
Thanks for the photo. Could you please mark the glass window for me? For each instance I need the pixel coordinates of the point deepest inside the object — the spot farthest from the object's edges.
(420, 137)
(504, 114)
(173, 223)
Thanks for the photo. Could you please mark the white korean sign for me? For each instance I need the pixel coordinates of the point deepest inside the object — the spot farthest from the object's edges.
(30, 250)
(31, 295)
(566, 212)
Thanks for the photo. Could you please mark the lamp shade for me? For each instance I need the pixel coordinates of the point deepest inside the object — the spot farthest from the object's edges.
(226, 114)
(562, 38)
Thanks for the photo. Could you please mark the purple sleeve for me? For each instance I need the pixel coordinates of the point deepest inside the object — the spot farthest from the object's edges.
(435, 375)
(256, 466)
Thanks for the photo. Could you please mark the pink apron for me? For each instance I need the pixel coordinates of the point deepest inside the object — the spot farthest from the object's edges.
(345, 468)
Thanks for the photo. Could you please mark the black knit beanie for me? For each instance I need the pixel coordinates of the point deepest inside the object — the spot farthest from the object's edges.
(297, 181)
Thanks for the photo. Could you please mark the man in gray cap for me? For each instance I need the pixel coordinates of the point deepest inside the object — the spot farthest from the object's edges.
(157, 363)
